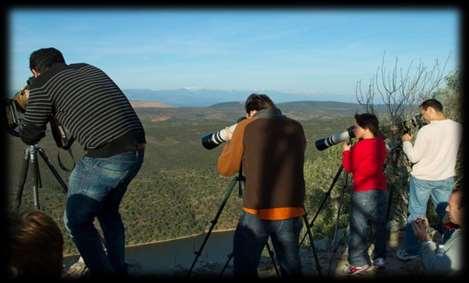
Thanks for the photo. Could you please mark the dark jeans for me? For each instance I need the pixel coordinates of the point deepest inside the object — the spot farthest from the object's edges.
(251, 236)
(96, 188)
(367, 207)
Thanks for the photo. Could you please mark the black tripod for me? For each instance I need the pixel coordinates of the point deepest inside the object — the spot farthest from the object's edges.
(238, 179)
(394, 154)
(336, 227)
(271, 253)
(310, 224)
(31, 160)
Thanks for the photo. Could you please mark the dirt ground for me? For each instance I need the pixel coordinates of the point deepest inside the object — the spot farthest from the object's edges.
(332, 265)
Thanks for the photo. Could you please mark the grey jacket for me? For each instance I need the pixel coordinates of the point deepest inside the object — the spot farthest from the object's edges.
(448, 259)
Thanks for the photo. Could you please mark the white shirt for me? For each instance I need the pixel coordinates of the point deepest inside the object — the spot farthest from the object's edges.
(435, 150)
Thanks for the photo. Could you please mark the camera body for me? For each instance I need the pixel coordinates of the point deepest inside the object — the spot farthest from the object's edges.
(12, 117)
(15, 108)
(414, 123)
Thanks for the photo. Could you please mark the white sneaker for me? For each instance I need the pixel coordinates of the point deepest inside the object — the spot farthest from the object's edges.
(379, 263)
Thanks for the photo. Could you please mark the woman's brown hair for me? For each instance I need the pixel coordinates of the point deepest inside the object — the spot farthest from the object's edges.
(36, 245)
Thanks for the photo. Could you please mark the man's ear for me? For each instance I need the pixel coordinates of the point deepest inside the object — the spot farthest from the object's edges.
(35, 72)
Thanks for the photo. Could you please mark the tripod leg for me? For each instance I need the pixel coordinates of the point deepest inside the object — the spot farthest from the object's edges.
(313, 248)
(213, 223)
(53, 170)
(272, 257)
(36, 177)
(328, 193)
(271, 254)
(22, 181)
(230, 257)
(334, 245)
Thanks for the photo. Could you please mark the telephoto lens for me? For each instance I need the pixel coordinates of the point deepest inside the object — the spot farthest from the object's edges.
(213, 140)
(322, 144)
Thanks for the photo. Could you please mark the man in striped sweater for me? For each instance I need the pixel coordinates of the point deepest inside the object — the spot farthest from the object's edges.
(96, 112)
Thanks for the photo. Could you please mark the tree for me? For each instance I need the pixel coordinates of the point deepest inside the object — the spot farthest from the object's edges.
(400, 89)
(451, 96)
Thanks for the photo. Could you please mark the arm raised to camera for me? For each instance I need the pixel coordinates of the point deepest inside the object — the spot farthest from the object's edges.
(36, 116)
(416, 152)
(230, 158)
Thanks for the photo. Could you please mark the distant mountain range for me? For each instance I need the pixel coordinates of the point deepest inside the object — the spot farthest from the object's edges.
(231, 111)
(188, 97)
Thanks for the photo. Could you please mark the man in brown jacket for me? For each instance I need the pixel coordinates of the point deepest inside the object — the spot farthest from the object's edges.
(269, 147)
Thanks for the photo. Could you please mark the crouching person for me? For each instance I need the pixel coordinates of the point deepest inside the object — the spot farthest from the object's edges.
(444, 258)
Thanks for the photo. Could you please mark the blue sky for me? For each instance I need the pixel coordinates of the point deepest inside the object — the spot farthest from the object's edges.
(303, 51)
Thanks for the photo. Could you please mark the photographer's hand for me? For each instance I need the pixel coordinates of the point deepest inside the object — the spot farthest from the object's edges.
(346, 146)
(406, 137)
(22, 99)
(420, 227)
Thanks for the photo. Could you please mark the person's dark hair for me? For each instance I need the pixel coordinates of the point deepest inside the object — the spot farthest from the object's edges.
(433, 103)
(36, 245)
(368, 121)
(461, 199)
(44, 58)
(258, 102)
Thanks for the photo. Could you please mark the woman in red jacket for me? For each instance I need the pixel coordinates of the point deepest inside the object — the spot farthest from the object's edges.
(365, 161)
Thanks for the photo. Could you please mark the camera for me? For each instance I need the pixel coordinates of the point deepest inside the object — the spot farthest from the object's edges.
(407, 126)
(14, 109)
(322, 144)
(212, 140)
(416, 122)
(12, 117)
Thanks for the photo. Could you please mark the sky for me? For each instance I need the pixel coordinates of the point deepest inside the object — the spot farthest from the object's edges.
(307, 51)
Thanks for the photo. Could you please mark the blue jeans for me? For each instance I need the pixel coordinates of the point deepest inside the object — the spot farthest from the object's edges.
(367, 208)
(419, 193)
(251, 236)
(96, 188)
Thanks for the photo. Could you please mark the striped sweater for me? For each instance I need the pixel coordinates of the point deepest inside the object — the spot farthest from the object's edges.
(85, 101)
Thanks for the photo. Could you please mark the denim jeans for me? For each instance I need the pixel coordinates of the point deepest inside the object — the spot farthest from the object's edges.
(419, 193)
(251, 236)
(96, 188)
(367, 208)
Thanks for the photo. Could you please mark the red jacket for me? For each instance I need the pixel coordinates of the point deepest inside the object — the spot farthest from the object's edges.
(365, 160)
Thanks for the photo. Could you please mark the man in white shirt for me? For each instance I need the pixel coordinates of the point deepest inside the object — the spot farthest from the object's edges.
(434, 155)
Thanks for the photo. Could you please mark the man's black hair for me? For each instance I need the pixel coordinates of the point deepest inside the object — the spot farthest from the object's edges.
(44, 58)
(433, 103)
(258, 102)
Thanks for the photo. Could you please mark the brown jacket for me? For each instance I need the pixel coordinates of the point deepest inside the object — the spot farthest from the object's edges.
(270, 148)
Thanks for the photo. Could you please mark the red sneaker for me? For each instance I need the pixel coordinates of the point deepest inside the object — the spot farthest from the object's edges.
(352, 270)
